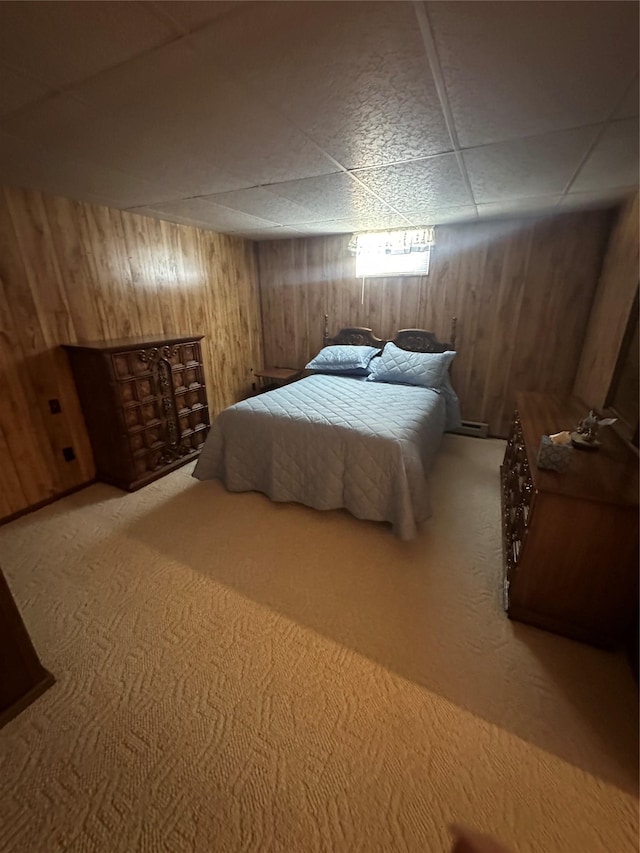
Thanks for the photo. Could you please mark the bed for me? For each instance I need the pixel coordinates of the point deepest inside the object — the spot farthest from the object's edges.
(339, 441)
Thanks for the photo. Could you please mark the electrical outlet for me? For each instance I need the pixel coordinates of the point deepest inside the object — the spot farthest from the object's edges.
(54, 406)
(68, 454)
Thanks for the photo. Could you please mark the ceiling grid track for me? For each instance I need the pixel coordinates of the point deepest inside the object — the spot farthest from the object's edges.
(431, 51)
(594, 142)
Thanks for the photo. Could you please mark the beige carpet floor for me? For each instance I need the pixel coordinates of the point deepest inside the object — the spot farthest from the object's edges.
(237, 675)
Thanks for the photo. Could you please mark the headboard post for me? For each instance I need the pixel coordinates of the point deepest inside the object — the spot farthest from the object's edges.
(452, 336)
(325, 336)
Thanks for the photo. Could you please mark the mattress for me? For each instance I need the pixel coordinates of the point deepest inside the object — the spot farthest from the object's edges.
(332, 442)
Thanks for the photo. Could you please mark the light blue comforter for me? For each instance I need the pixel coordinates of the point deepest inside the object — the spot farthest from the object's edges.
(329, 442)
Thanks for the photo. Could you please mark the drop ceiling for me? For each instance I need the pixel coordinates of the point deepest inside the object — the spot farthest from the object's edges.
(272, 120)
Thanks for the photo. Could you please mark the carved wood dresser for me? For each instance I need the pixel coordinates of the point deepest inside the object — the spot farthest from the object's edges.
(570, 539)
(144, 402)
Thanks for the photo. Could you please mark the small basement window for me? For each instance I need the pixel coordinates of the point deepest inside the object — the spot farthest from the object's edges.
(392, 253)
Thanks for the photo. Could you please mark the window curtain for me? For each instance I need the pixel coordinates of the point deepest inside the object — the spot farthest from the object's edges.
(400, 241)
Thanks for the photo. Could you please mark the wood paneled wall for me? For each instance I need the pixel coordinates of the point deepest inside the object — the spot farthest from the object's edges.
(612, 307)
(521, 289)
(75, 272)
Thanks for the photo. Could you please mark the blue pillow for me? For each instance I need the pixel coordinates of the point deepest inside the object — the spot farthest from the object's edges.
(428, 369)
(343, 359)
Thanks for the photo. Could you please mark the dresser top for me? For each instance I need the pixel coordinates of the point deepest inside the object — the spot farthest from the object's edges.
(608, 475)
(118, 344)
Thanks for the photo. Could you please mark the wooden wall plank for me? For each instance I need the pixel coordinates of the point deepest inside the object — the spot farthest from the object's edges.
(22, 241)
(521, 289)
(71, 272)
(24, 475)
(611, 310)
(12, 497)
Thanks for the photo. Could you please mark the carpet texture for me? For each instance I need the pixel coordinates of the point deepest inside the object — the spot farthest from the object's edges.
(238, 675)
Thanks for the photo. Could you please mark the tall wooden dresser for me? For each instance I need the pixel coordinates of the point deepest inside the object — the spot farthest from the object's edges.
(570, 539)
(144, 401)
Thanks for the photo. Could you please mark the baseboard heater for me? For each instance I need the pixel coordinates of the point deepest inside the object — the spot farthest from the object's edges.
(473, 428)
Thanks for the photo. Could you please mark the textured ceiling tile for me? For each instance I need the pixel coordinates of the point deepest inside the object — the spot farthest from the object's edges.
(162, 153)
(189, 15)
(177, 98)
(375, 223)
(275, 233)
(614, 160)
(331, 197)
(231, 108)
(259, 147)
(33, 167)
(361, 87)
(17, 90)
(436, 182)
(260, 202)
(518, 69)
(165, 217)
(594, 199)
(541, 165)
(336, 226)
(630, 105)
(155, 74)
(519, 206)
(54, 120)
(431, 216)
(216, 217)
(59, 43)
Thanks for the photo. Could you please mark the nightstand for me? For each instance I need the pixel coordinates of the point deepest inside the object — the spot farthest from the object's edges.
(274, 377)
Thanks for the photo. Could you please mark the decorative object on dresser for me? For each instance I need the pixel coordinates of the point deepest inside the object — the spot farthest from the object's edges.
(586, 435)
(145, 405)
(23, 676)
(570, 539)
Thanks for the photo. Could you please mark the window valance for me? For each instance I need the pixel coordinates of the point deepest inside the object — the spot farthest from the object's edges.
(399, 241)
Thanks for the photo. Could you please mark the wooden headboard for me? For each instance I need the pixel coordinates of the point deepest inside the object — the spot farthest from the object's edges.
(416, 340)
(355, 336)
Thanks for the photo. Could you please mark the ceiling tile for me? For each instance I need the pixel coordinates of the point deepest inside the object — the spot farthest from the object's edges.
(243, 124)
(260, 202)
(523, 206)
(162, 153)
(165, 217)
(189, 15)
(430, 216)
(361, 87)
(59, 43)
(540, 165)
(375, 223)
(276, 233)
(433, 182)
(213, 215)
(614, 160)
(630, 103)
(33, 167)
(189, 108)
(594, 199)
(335, 226)
(331, 197)
(16, 90)
(518, 69)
